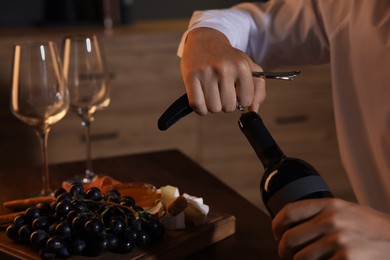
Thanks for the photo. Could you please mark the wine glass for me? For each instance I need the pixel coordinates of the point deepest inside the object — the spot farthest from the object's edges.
(39, 96)
(86, 73)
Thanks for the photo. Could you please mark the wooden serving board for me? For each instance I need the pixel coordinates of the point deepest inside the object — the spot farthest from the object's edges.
(176, 244)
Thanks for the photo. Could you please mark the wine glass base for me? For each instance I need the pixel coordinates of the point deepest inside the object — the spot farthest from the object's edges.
(40, 194)
(89, 176)
(81, 179)
(45, 193)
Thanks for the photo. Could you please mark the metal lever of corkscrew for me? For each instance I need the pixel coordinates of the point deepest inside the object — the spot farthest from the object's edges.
(181, 107)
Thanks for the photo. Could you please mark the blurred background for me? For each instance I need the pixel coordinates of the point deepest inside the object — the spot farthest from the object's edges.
(140, 39)
(92, 12)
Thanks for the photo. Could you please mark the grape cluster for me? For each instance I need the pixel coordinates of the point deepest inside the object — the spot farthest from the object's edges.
(85, 223)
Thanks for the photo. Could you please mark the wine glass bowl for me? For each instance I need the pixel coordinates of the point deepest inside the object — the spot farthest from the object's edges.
(86, 73)
(39, 96)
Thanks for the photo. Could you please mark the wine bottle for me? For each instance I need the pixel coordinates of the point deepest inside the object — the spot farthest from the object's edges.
(285, 179)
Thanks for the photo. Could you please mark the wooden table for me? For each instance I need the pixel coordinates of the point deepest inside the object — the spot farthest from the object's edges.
(252, 239)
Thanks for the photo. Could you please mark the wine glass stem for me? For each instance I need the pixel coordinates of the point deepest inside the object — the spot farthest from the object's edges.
(89, 169)
(42, 136)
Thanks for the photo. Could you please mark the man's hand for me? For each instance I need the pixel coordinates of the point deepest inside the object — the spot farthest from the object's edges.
(216, 75)
(331, 229)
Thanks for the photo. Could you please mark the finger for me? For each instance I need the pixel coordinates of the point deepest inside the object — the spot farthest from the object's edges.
(295, 213)
(212, 95)
(259, 89)
(245, 90)
(196, 97)
(344, 245)
(259, 94)
(228, 93)
(193, 83)
(322, 248)
(300, 236)
(361, 248)
(244, 85)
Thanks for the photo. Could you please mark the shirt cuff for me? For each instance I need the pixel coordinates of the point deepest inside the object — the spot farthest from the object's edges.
(235, 24)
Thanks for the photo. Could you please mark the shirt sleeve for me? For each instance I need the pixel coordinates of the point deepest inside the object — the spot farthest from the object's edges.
(279, 33)
(235, 24)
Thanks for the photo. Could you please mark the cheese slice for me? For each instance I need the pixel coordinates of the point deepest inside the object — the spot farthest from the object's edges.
(169, 193)
(196, 211)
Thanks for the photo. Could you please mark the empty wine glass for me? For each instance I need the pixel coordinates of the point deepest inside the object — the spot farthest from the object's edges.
(39, 96)
(86, 73)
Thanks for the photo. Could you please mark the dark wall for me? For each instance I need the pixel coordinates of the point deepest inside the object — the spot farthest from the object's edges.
(21, 12)
(81, 12)
(150, 9)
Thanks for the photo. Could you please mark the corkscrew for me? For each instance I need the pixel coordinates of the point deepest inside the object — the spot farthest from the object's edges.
(181, 107)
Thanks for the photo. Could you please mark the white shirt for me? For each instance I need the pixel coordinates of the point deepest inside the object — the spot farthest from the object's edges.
(354, 36)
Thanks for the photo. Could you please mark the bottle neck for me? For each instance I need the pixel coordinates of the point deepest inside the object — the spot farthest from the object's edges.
(261, 140)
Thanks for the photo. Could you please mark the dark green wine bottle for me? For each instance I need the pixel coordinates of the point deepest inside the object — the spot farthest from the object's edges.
(285, 179)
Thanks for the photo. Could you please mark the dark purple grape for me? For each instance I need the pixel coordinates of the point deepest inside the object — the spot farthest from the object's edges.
(55, 243)
(32, 213)
(78, 246)
(130, 235)
(155, 229)
(78, 223)
(116, 225)
(130, 219)
(63, 253)
(20, 220)
(141, 212)
(76, 189)
(64, 196)
(39, 238)
(143, 239)
(113, 195)
(147, 216)
(53, 205)
(12, 232)
(25, 232)
(41, 223)
(112, 241)
(80, 205)
(93, 226)
(72, 214)
(52, 228)
(124, 247)
(109, 212)
(127, 201)
(63, 229)
(44, 208)
(63, 207)
(135, 224)
(96, 245)
(45, 254)
(58, 192)
(93, 194)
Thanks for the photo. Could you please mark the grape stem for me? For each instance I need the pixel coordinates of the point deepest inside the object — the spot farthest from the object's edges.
(113, 204)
